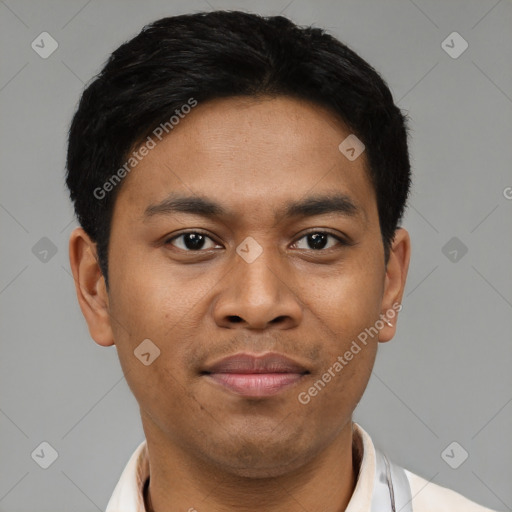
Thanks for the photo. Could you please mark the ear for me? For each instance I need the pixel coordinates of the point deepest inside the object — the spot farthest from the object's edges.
(396, 276)
(90, 287)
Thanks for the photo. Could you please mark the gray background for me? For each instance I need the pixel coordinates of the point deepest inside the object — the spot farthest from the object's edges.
(445, 377)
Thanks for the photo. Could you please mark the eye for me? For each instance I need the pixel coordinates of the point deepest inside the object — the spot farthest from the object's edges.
(319, 240)
(192, 241)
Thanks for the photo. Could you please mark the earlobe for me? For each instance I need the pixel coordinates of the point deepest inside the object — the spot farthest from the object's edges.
(396, 276)
(90, 287)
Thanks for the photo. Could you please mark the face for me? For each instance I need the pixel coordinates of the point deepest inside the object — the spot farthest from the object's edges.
(246, 230)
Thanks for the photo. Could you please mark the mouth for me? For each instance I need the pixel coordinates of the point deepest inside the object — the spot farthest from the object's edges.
(255, 376)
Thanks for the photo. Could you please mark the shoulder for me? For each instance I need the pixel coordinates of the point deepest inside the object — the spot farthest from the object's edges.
(430, 497)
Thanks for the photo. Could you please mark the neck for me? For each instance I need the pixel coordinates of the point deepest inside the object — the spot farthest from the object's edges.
(178, 482)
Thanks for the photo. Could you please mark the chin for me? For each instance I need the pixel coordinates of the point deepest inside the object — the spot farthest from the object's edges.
(259, 458)
(262, 468)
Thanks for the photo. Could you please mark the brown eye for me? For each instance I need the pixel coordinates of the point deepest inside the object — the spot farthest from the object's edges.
(319, 240)
(192, 241)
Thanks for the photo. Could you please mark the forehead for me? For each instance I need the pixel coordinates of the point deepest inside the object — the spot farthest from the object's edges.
(254, 154)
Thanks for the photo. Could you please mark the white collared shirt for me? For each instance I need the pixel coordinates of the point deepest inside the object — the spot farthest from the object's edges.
(426, 496)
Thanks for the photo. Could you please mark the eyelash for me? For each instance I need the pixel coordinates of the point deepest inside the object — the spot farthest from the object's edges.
(341, 241)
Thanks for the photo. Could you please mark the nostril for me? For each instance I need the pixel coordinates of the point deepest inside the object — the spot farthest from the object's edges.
(235, 319)
(278, 319)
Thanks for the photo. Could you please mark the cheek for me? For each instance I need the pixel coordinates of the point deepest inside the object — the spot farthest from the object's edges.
(346, 300)
(146, 320)
(332, 395)
(149, 297)
(160, 305)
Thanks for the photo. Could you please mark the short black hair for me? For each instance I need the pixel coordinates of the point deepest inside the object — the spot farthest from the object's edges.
(220, 54)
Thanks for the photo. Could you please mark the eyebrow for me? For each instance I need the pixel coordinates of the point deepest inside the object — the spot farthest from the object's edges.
(337, 203)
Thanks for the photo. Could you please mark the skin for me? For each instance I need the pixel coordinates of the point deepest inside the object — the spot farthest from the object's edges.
(209, 448)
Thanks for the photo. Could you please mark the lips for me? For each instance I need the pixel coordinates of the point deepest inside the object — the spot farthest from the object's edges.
(255, 376)
(247, 363)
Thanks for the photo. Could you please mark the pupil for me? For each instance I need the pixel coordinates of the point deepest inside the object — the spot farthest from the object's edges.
(317, 240)
(194, 241)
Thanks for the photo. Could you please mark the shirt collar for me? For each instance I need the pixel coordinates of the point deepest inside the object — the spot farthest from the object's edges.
(127, 496)
(128, 493)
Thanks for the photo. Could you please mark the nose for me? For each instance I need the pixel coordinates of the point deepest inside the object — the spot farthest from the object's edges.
(257, 296)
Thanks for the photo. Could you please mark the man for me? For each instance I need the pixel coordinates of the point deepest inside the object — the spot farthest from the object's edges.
(239, 182)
